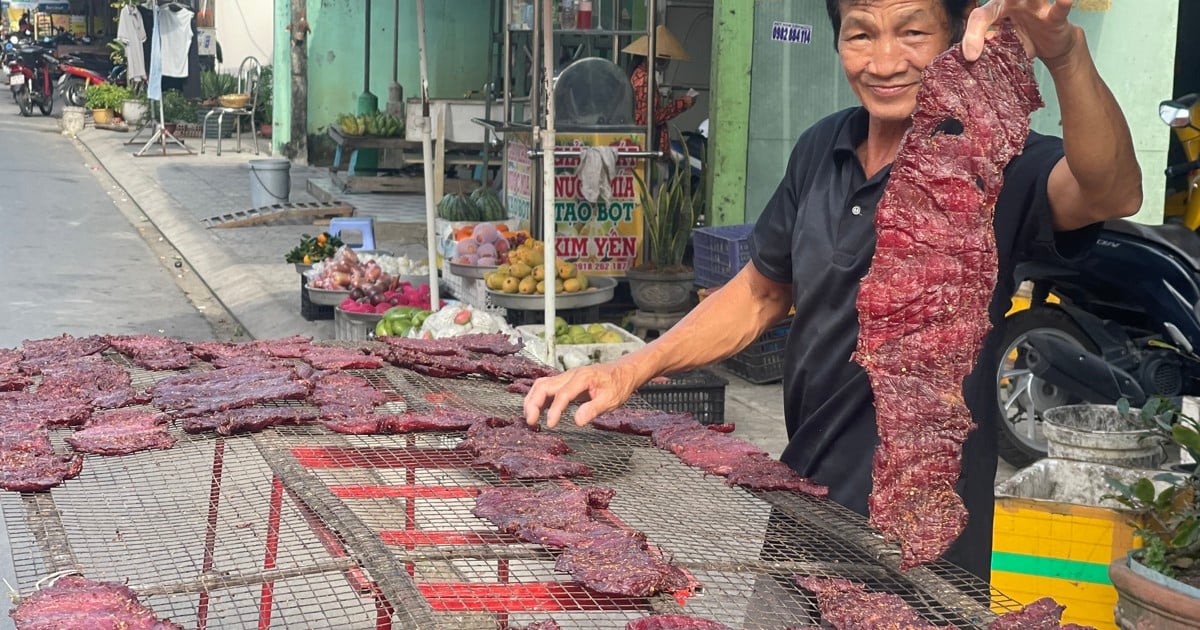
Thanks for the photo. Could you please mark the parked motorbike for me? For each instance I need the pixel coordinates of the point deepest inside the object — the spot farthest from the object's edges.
(80, 71)
(31, 73)
(1127, 321)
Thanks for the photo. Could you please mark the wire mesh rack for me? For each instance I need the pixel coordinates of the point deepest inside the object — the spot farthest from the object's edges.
(297, 527)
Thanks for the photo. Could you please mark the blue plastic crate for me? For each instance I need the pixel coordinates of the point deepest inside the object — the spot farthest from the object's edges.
(762, 361)
(720, 252)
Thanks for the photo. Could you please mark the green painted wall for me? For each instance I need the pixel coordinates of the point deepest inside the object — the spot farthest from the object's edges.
(457, 34)
(730, 111)
(1134, 47)
(281, 132)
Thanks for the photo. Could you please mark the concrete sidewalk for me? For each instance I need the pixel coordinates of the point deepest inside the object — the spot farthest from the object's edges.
(245, 268)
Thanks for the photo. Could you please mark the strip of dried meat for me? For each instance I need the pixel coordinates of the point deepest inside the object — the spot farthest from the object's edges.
(24, 405)
(285, 348)
(923, 305)
(14, 381)
(40, 353)
(674, 622)
(28, 462)
(1043, 614)
(498, 344)
(520, 386)
(437, 419)
(847, 605)
(435, 365)
(514, 510)
(516, 435)
(346, 390)
(513, 367)
(435, 347)
(10, 359)
(619, 562)
(528, 463)
(199, 393)
(548, 624)
(763, 473)
(354, 422)
(253, 419)
(640, 421)
(153, 352)
(92, 380)
(76, 602)
(121, 432)
(711, 451)
(329, 358)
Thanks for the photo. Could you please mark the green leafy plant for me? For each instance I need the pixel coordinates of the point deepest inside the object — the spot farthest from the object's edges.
(670, 213)
(116, 52)
(105, 96)
(266, 95)
(177, 108)
(1168, 519)
(216, 84)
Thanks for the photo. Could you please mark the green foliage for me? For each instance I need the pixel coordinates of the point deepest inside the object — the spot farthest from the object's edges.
(670, 214)
(105, 96)
(216, 84)
(116, 52)
(1169, 519)
(177, 108)
(266, 95)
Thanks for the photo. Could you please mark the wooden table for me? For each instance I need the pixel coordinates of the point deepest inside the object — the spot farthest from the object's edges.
(408, 152)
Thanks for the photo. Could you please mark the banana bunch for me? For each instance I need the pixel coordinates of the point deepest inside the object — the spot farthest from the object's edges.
(352, 125)
(377, 124)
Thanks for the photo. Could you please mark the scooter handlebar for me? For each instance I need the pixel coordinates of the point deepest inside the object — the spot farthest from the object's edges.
(1182, 169)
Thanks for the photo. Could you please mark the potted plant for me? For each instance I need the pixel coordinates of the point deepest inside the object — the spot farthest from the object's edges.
(1158, 585)
(662, 283)
(264, 109)
(103, 99)
(214, 85)
(135, 106)
(176, 109)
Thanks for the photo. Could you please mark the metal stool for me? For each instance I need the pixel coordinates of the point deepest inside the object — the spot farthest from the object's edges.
(363, 226)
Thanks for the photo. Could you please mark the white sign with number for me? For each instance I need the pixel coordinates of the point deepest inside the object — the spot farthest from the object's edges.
(16, 79)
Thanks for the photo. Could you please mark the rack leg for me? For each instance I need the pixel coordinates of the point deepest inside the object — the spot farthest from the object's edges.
(272, 552)
(210, 530)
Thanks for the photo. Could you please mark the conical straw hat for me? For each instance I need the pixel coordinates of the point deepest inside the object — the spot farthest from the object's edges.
(664, 42)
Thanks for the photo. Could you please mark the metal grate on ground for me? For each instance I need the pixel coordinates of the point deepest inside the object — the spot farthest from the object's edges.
(299, 527)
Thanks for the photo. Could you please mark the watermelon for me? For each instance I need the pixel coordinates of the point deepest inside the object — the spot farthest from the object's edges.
(488, 202)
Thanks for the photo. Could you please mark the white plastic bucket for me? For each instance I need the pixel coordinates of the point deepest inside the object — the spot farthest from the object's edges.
(270, 181)
(1101, 434)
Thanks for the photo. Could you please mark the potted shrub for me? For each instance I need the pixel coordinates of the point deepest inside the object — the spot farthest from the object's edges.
(214, 85)
(662, 283)
(1158, 585)
(264, 108)
(104, 99)
(135, 107)
(176, 109)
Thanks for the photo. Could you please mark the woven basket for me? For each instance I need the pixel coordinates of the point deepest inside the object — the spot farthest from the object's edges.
(234, 101)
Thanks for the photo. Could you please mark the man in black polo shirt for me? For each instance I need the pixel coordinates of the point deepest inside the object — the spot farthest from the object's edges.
(814, 242)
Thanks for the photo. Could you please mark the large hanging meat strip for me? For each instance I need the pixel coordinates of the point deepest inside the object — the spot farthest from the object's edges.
(923, 307)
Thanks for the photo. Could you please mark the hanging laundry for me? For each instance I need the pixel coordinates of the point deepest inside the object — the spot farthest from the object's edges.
(176, 35)
(132, 32)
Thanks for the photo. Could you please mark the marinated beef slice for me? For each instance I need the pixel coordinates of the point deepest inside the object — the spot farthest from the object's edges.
(847, 605)
(619, 562)
(640, 421)
(708, 450)
(52, 411)
(516, 450)
(153, 352)
(90, 380)
(494, 343)
(39, 353)
(28, 462)
(77, 602)
(1043, 614)
(199, 393)
(327, 358)
(121, 432)
(923, 305)
(674, 622)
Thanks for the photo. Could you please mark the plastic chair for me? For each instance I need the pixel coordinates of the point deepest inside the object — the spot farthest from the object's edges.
(248, 75)
(365, 226)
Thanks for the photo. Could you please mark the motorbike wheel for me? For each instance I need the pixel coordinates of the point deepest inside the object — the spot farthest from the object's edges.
(25, 100)
(1023, 397)
(72, 92)
(47, 106)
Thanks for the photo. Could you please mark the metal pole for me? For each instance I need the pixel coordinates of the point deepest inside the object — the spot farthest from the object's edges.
(367, 49)
(548, 214)
(427, 150)
(651, 80)
(396, 46)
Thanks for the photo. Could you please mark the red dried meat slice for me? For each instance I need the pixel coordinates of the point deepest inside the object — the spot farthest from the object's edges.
(763, 473)
(515, 510)
(153, 352)
(520, 386)
(1043, 614)
(435, 365)
(346, 390)
(121, 432)
(355, 421)
(40, 353)
(286, 348)
(253, 419)
(76, 602)
(437, 419)
(494, 343)
(528, 463)
(548, 624)
(10, 359)
(24, 405)
(674, 622)
(27, 471)
(640, 421)
(846, 605)
(199, 393)
(14, 381)
(711, 451)
(92, 380)
(513, 367)
(620, 563)
(327, 358)
(432, 347)
(511, 435)
(923, 305)
(29, 436)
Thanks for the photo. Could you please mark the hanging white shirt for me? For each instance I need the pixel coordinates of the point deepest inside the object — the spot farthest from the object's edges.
(176, 37)
(132, 31)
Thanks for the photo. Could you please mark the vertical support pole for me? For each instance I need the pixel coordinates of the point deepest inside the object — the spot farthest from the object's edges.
(274, 513)
(733, 44)
(427, 152)
(297, 149)
(549, 235)
(210, 528)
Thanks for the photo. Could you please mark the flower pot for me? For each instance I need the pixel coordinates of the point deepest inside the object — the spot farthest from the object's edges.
(102, 116)
(171, 127)
(264, 130)
(133, 110)
(661, 292)
(1151, 602)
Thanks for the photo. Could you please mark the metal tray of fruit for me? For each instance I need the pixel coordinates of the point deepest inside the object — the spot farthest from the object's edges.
(326, 297)
(599, 291)
(362, 318)
(471, 271)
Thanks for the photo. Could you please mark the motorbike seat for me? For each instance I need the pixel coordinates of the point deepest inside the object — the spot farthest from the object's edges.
(1181, 241)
